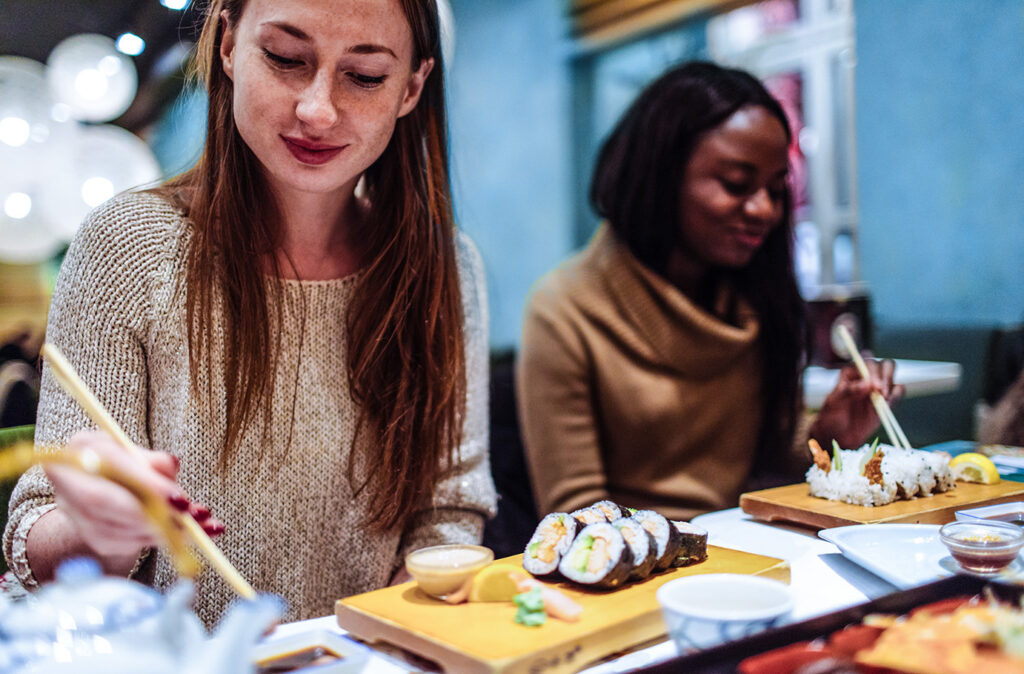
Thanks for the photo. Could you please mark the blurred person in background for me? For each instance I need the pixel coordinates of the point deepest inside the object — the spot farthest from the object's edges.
(661, 366)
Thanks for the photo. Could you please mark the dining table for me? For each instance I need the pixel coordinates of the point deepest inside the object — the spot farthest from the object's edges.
(822, 580)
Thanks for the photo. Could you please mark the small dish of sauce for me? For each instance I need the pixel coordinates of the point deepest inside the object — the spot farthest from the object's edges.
(443, 571)
(983, 547)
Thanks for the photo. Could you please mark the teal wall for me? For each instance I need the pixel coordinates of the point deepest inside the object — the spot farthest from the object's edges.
(940, 144)
(508, 98)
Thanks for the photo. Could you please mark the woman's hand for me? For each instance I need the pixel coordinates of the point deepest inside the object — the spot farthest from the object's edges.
(109, 518)
(848, 415)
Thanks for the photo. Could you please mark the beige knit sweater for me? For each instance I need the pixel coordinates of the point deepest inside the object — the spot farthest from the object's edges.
(627, 390)
(294, 526)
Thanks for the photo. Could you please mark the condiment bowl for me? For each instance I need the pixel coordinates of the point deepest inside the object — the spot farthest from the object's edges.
(443, 570)
(707, 610)
(982, 547)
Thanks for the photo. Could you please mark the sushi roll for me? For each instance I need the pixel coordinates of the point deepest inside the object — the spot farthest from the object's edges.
(598, 558)
(666, 536)
(588, 515)
(550, 541)
(944, 480)
(641, 544)
(612, 510)
(693, 543)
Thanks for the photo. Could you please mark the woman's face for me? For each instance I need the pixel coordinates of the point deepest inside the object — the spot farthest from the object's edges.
(733, 188)
(319, 85)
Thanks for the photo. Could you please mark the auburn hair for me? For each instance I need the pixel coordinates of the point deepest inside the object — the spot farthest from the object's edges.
(636, 187)
(406, 353)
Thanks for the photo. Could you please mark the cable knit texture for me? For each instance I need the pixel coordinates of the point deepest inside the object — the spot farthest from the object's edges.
(294, 520)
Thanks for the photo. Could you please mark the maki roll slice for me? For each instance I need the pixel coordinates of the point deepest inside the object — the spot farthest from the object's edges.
(693, 543)
(598, 558)
(549, 542)
(641, 544)
(666, 536)
(589, 515)
(612, 511)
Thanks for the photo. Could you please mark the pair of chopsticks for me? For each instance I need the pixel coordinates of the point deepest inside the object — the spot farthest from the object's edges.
(76, 388)
(885, 415)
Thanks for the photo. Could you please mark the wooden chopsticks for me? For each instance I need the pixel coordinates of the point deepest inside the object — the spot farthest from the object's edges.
(76, 388)
(885, 415)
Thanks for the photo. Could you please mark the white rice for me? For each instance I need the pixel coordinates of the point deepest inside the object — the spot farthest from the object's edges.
(905, 474)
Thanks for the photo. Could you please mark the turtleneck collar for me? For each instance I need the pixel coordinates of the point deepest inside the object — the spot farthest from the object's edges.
(656, 319)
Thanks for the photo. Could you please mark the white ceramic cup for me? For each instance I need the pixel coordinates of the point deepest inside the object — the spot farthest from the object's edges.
(707, 610)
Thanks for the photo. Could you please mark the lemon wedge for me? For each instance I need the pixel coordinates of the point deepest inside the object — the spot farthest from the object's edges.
(974, 467)
(495, 583)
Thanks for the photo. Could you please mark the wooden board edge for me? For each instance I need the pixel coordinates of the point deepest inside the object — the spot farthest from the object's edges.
(781, 572)
(933, 516)
(581, 652)
(772, 512)
(561, 658)
(371, 628)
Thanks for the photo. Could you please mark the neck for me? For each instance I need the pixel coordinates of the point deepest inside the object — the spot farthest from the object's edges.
(317, 232)
(686, 273)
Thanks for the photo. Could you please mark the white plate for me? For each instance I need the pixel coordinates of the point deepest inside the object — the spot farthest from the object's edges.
(906, 555)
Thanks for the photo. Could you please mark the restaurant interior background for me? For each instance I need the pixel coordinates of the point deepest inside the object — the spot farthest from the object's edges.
(909, 166)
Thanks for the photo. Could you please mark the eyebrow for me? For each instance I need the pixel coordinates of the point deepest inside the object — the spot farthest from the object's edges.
(296, 32)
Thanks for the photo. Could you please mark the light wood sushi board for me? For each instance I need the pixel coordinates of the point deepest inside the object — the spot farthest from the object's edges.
(794, 503)
(482, 637)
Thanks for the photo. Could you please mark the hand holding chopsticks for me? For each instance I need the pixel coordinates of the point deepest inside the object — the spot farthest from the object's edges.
(75, 387)
(892, 427)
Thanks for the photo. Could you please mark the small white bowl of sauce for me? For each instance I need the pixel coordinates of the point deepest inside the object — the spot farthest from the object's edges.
(445, 571)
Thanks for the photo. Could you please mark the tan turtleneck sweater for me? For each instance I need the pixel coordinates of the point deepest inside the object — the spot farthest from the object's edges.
(627, 390)
(295, 522)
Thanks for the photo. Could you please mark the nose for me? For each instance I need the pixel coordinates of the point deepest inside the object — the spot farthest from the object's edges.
(762, 206)
(315, 106)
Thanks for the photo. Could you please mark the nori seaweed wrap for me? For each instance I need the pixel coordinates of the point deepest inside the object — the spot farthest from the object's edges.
(693, 547)
(665, 535)
(641, 544)
(550, 540)
(598, 558)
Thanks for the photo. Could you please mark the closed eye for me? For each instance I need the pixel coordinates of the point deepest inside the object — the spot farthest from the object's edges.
(367, 81)
(282, 62)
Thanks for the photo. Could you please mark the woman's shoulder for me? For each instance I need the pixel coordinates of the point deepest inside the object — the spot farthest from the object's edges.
(561, 290)
(132, 226)
(134, 215)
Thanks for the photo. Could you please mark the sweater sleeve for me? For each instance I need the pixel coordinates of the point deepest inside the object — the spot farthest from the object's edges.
(465, 498)
(98, 317)
(556, 407)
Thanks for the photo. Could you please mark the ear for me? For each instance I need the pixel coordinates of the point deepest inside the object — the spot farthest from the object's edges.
(415, 87)
(227, 46)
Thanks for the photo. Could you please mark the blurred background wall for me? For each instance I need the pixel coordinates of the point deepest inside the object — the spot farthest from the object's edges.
(937, 128)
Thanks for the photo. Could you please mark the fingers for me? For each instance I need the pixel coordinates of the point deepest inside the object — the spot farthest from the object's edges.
(164, 463)
(881, 375)
(109, 516)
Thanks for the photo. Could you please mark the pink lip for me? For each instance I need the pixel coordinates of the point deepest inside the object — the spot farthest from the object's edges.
(750, 239)
(311, 152)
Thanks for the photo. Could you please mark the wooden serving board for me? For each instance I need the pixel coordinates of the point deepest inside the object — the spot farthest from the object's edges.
(794, 503)
(482, 637)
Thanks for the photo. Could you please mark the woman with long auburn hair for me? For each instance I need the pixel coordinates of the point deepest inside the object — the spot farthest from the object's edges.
(305, 357)
(660, 367)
